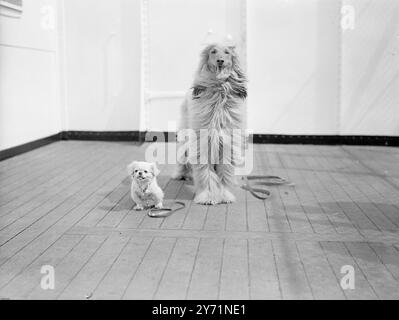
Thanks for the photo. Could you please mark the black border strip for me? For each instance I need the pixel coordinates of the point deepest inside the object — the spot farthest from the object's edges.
(140, 137)
(327, 139)
(136, 136)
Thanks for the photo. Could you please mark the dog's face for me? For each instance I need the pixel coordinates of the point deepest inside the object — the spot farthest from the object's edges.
(142, 171)
(219, 58)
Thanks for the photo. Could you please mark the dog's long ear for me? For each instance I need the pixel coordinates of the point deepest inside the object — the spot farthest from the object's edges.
(131, 167)
(154, 169)
(204, 57)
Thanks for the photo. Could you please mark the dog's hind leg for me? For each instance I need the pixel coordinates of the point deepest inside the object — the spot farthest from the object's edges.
(225, 173)
(183, 169)
(207, 184)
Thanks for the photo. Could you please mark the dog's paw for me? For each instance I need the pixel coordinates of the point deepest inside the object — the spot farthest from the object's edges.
(159, 206)
(138, 207)
(205, 197)
(227, 196)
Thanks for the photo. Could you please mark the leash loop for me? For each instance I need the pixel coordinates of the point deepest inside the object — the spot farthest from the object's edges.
(165, 212)
(262, 193)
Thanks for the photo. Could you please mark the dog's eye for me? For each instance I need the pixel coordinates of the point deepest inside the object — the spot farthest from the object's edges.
(213, 51)
(135, 171)
(226, 52)
(145, 171)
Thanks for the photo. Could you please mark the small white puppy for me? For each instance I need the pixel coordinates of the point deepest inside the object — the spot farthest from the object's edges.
(145, 191)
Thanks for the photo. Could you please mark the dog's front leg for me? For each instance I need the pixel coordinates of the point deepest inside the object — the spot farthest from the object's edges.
(207, 183)
(139, 204)
(227, 179)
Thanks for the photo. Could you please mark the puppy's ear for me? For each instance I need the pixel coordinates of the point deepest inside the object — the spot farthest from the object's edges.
(131, 167)
(154, 169)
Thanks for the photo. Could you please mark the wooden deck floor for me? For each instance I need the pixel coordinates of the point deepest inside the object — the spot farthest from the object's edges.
(67, 205)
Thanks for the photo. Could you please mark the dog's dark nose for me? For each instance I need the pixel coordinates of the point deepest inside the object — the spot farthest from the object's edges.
(140, 173)
(219, 61)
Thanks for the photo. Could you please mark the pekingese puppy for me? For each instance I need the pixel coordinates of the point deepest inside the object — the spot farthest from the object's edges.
(145, 191)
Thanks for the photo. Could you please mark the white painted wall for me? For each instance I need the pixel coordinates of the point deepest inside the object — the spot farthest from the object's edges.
(293, 66)
(29, 104)
(102, 68)
(176, 31)
(370, 69)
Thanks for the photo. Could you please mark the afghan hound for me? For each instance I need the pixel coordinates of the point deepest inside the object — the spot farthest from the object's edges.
(211, 125)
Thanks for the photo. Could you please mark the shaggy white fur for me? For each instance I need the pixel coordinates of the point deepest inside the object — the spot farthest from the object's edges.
(144, 188)
(212, 120)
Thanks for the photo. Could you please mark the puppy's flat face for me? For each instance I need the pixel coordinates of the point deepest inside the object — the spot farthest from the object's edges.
(142, 171)
(219, 57)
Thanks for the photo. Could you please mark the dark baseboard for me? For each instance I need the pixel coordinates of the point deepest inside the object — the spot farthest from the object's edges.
(327, 139)
(12, 152)
(136, 136)
(140, 137)
(295, 139)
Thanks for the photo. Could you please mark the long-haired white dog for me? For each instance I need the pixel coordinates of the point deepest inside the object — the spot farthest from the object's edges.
(212, 118)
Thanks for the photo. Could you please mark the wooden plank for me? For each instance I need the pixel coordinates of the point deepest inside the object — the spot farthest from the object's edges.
(216, 217)
(324, 284)
(171, 189)
(175, 280)
(379, 201)
(48, 199)
(276, 215)
(85, 282)
(389, 256)
(55, 209)
(382, 281)
(185, 195)
(234, 278)
(264, 282)
(28, 279)
(338, 256)
(195, 218)
(33, 242)
(108, 203)
(256, 215)
(29, 178)
(373, 213)
(293, 280)
(236, 218)
(117, 279)
(117, 212)
(69, 267)
(334, 213)
(316, 215)
(342, 199)
(55, 185)
(205, 278)
(27, 189)
(33, 156)
(20, 174)
(145, 281)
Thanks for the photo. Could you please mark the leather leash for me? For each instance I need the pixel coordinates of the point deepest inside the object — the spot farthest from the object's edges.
(262, 193)
(165, 212)
(253, 188)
